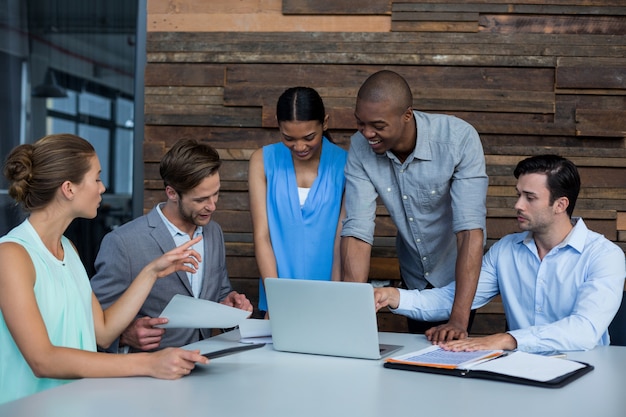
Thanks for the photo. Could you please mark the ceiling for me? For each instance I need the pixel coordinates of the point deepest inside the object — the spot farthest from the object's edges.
(82, 16)
(98, 32)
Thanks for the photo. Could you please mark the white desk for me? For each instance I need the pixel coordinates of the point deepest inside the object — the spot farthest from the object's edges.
(264, 382)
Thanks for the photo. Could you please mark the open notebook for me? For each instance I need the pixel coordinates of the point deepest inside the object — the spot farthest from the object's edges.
(516, 367)
(324, 318)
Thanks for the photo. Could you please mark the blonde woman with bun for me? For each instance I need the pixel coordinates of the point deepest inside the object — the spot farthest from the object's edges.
(50, 321)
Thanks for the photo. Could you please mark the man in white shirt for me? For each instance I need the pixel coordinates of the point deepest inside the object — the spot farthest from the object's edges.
(561, 284)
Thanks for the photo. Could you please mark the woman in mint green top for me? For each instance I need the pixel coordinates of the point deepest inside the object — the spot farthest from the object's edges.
(50, 321)
(63, 297)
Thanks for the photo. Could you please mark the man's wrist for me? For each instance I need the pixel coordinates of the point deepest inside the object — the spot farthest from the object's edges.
(459, 317)
(395, 298)
(511, 342)
(122, 341)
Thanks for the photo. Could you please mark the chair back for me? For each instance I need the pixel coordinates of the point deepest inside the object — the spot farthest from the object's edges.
(617, 328)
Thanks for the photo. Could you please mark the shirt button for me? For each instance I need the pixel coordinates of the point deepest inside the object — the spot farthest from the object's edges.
(388, 190)
(433, 192)
(410, 219)
(427, 274)
(424, 258)
(404, 197)
(418, 240)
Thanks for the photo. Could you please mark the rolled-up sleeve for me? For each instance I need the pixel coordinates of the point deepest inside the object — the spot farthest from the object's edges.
(360, 195)
(469, 183)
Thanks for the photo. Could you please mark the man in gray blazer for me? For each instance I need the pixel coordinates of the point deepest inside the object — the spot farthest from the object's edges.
(190, 173)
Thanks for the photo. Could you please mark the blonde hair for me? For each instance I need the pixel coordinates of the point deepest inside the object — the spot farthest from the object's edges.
(35, 171)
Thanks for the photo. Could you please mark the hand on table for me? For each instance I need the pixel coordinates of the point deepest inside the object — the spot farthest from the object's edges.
(495, 341)
(446, 332)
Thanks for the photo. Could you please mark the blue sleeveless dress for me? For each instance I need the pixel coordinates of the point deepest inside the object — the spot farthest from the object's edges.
(303, 238)
(63, 295)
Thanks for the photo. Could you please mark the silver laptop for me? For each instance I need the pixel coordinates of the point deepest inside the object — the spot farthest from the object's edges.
(324, 318)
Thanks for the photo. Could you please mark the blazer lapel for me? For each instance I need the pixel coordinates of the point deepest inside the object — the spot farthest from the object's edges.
(162, 236)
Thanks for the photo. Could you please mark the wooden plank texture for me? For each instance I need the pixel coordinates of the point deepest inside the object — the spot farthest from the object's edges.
(605, 73)
(621, 221)
(592, 122)
(341, 7)
(537, 7)
(592, 25)
(184, 75)
(531, 76)
(364, 47)
(513, 5)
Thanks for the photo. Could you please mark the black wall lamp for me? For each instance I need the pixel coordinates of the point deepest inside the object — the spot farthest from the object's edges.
(49, 88)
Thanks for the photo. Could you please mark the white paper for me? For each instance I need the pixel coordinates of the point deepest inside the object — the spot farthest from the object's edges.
(254, 328)
(188, 312)
(255, 331)
(530, 366)
(257, 340)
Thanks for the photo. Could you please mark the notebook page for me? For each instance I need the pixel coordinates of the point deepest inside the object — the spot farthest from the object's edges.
(530, 366)
(439, 358)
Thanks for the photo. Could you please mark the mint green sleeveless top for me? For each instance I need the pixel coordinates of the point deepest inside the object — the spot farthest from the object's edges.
(63, 295)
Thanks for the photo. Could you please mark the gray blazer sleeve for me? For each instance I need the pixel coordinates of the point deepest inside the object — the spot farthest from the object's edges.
(113, 274)
(113, 270)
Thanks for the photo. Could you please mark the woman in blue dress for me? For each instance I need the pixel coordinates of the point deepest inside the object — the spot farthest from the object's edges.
(296, 193)
(50, 320)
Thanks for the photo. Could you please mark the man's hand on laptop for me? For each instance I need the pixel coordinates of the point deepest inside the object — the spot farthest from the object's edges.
(142, 335)
(240, 301)
(386, 297)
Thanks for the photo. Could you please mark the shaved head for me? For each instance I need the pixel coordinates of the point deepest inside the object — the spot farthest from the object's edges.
(387, 86)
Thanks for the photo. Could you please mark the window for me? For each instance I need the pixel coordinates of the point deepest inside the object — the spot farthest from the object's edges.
(90, 50)
(105, 118)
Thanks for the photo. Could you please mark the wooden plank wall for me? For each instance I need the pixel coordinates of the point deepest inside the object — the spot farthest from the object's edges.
(532, 76)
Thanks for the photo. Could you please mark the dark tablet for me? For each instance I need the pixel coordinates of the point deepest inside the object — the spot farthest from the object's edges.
(232, 350)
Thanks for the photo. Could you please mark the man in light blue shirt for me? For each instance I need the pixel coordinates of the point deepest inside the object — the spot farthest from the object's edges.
(561, 283)
(429, 171)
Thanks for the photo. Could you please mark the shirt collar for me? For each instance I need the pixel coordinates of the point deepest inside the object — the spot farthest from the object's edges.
(175, 231)
(575, 238)
(422, 144)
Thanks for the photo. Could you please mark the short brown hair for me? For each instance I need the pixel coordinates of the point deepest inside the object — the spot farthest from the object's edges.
(187, 163)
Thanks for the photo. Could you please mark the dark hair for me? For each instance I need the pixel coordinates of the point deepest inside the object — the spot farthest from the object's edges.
(301, 104)
(563, 179)
(187, 163)
(36, 171)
